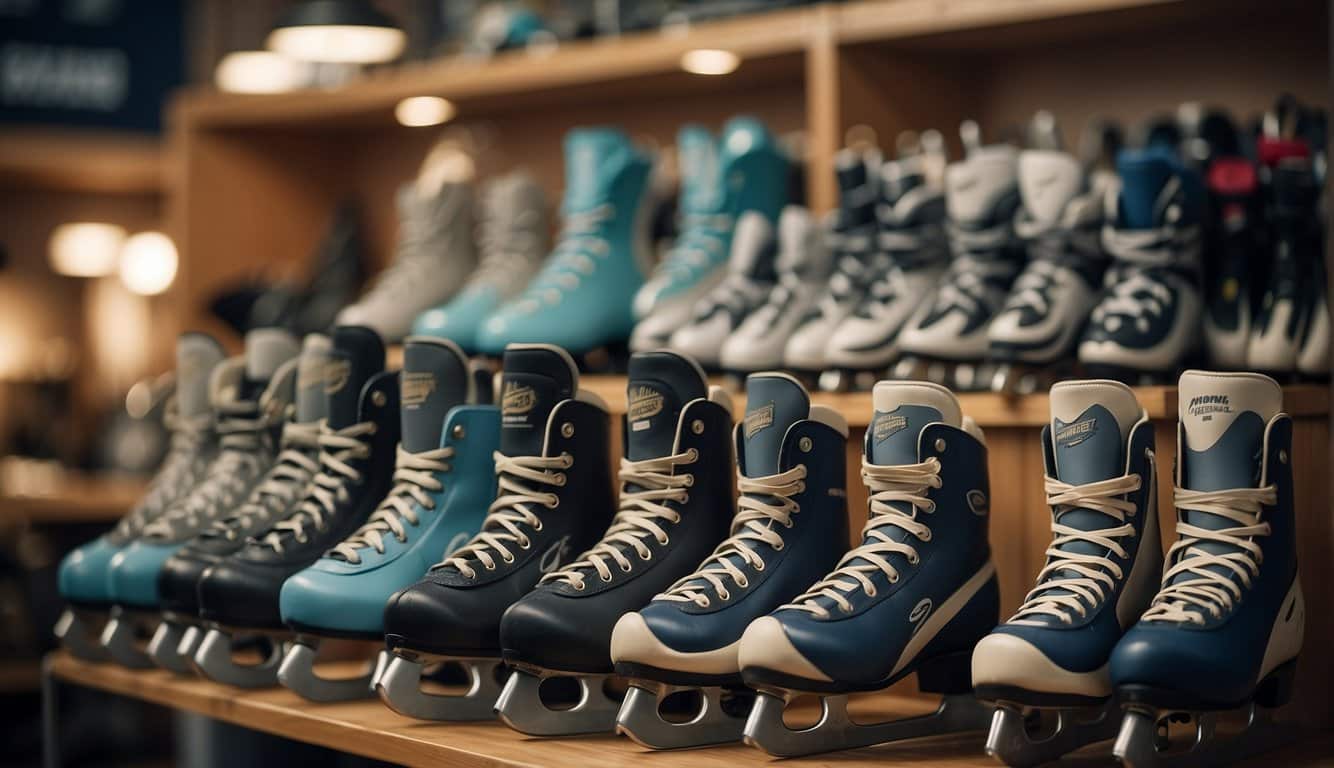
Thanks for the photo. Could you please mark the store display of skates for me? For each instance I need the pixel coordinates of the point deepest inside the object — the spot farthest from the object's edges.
(789, 529)
(83, 575)
(512, 237)
(914, 597)
(249, 396)
(444, 477)
(743, 170)
(178, 636)
(675, 507)
(239, 597)
(948, 342)
(1226, 627)
(554, 499)
(1046, 667)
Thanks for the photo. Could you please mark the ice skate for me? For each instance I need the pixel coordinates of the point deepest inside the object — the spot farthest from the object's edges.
(554, 499)
(443, 479)
(790, 526)
(1046, 667)
(914, 597)
(675, 506)
(1225, 629)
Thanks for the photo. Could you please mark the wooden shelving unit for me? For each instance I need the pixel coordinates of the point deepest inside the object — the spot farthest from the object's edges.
(111, 164)
(370, 729)
(76, 498)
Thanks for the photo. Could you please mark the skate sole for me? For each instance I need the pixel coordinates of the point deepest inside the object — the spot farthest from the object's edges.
(1009, 694)
(945, 674)
(1272, 692)
(676, 677)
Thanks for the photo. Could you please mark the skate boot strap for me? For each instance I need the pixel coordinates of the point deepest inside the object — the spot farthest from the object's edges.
(415, 479)
(898, 493)
(328, 487)
(292, 471)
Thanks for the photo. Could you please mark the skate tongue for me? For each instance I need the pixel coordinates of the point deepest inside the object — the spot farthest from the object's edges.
(902, 409)
(265, 350)
(1090, 422)
(356, 356)
(698, 160)
(1048, 181)
(434, 379)
(661, 383)
(591, 155)
(196, 356)
(535, 378)
(774, 402)
(974, 186)
(310, 399)
(1150, 181)
(753, 247)
(857, 174)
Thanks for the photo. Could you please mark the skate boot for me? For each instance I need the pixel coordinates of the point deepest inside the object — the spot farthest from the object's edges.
(249, 396)
(1148, 320)
(581, 300)
(554, 498)
(911, 216)
(1049, 661)
(239, 597)
(83, 575)
(675, 506)
(750, 278)
(851, 238)
(512, 238)
(745, 172)
(435, 255)
(1226, 626)
(871, 621)
(443, 481)
(802, 265)
(947, 342)
(1033, 339)
(790, 526)
(174, 644)
(1229, 306)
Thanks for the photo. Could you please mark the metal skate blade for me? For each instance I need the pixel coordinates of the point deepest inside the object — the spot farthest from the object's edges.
(834, 730)
(521, 707)
(120, 638)
(171, 649)
(297, 673)
(640, 719)
(80, 637)
(399, 686)
(1010, 741)
(1140, 743)
(214, 659)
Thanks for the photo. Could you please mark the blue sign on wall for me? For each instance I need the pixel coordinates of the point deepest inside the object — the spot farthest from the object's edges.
(90, 63)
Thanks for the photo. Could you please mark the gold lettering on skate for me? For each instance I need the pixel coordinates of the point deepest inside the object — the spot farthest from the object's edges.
(759, 418)
(416, 387)
(645, 403)
(1070, 435)
(887, 425)
(517, 399)
(336, 374)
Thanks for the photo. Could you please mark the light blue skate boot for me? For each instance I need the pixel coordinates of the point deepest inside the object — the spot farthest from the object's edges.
(443, 484)
(82, 578)
(581, 300)
(745, 171)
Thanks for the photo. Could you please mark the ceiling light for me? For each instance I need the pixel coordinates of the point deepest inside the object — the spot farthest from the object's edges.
(148, 263)
(259, 72)
(710, 61)
(85, 248)
(337, 31)
(416, 111)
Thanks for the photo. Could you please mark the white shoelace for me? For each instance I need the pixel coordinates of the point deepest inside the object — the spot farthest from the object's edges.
(755, 521)
(329, 486)
(1095, 576)
(415, 479)
(906, 484)
(699, 244)
(291, 473)
(967, 285)
(506, 238)
(1136, 295)
(180, 470)
(639, 516)
(511, 509)
(1210, 585)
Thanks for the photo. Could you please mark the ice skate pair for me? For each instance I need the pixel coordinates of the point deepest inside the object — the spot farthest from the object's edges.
(1100, 632)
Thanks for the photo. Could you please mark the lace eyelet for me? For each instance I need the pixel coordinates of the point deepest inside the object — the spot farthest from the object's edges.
(627, 567)
(525, 544)
(1283, 457)
(646, 555)
(379, 399)
(845, 608)
(537, 526)
(805, 444)
(580, 587)
(689, 481)
(743, 582)
(940, 445)
(759, 567)
(664, 541)
(914, 561)
(926, 536)
(490, 567)
(779, 546)
(871, 592)
(607, 579)
(894, 579)
(457, 432)
(697, 427)
(567, 459)
(567, 429)
(561, 479)
(692, 455)
(724, 596)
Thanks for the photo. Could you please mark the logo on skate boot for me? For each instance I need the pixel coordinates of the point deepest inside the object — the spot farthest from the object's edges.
(554, 556)
(517, 399)
(759, 419)
(919, 614)
(416, 387)
(645, 403)
(887, 425)
(977, 501)
(336, 374)
(1203, 407)
(1070, 435)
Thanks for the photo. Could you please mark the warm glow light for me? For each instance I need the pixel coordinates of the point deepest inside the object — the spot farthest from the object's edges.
(148, 263)
(85, 248)
(416, 111)
(259, 72)
(338, 44)
(710, 61)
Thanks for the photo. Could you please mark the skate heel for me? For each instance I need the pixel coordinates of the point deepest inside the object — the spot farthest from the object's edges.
(947, 675)
(1276, 689)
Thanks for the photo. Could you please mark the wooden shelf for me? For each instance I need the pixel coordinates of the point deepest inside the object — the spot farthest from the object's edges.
(370, 729)
(81, 162)
(75, 498)
(20, 675)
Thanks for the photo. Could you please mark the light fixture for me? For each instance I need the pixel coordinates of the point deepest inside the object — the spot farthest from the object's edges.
(85, 248)
(259, 72)
(416, 111)
(148, 263)
(710, 61)
(337, 31)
